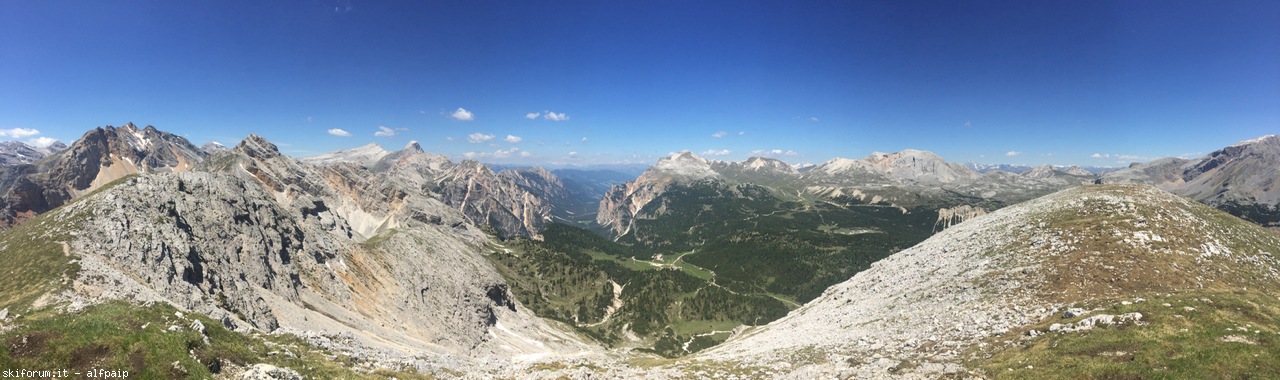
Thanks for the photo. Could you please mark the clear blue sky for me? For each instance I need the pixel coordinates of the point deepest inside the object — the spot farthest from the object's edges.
(971, 80)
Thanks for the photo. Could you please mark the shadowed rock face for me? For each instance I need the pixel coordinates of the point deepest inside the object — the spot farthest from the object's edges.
(97, 158)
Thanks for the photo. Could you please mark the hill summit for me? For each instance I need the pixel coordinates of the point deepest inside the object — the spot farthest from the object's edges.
(999, 273)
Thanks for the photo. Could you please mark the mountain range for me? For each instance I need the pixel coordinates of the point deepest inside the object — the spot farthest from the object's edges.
(373, 263)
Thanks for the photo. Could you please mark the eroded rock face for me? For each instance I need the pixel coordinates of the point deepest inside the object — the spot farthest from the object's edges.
(497, 200)
(203, 240)
(948, 217)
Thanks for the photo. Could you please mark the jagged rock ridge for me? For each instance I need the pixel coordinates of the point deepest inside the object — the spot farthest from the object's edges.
(100, 156)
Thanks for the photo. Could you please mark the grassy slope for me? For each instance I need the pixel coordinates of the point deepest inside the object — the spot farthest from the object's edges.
(1199, 335)
(124, 337)
(1222, 315)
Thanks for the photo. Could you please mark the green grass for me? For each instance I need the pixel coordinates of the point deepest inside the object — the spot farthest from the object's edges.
(1223, 335)
(123, 337)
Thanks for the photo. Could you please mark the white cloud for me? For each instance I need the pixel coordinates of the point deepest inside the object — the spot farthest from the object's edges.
(18, 133)
(1012, 153)
(813, 119)
(340, 132)
(476, 138)
(462, 115)
(525, 154)
(383, 131)
(719, 134)
(584, 139)
(532, 115)
(448, 138)
(556, 116)
(41, 142)
(573, 154)
(774, 153)
(500, 153)
(713, 152)
(740, 133)
(512, 139)
(1122, 158)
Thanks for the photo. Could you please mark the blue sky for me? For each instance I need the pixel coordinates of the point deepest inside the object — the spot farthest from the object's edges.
(985, 81)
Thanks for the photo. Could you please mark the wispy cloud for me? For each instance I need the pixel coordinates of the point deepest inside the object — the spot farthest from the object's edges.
(500, 153)
(556, 116)
(1122, 157)
(532, 115)
(584, 140)
(813, 119)
(461, 114)
(713, 152)
(383, 131)
(340, 132)
(573, 154)
(740, 133)
(719, 134)
(512, 139)
(1012, 153)
(774, 153)
(18, 133)
(476, 138)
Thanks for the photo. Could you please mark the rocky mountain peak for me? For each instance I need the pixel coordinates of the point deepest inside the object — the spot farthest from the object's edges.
(685, 165)
(17, 152)
(412, 146)
(909, 164)
(1076, 170)
(767, 164)
(1042, 171)
(1264, 140)
(257, 147)
(365, 155)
